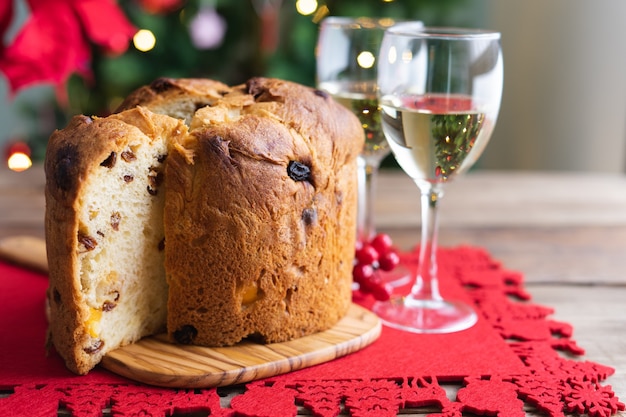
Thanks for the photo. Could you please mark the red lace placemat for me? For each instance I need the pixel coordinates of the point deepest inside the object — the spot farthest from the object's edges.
(513, 358)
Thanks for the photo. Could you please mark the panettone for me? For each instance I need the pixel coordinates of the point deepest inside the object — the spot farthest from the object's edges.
(214, 213)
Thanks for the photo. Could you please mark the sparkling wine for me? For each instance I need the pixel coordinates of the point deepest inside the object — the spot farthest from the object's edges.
(362, 100)
(434, 138)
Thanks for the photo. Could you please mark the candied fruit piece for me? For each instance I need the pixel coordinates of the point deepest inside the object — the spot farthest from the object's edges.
(249, 294)
(92, 322)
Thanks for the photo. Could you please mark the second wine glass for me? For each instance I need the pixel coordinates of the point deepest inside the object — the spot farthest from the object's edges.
(347, 50)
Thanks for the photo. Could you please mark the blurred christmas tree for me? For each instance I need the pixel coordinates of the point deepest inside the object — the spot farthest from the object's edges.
(227, 40)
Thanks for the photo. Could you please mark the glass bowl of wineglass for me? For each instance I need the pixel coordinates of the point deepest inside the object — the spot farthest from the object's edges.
(346, 52)
(440, 91)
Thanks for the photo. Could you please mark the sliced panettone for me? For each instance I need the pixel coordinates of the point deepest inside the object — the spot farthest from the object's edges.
(104, 232)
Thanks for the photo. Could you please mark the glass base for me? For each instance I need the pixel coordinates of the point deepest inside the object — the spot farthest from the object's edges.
(425, 316)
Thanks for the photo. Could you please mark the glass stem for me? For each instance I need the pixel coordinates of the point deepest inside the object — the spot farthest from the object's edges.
(368, 173)
(426, 285)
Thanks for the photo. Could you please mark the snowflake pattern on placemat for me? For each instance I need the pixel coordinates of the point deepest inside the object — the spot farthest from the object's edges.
(556, 384)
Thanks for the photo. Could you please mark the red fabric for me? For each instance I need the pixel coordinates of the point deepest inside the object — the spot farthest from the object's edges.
(508, 360)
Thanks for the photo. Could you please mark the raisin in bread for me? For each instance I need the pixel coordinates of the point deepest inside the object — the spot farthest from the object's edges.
(104, 232)
(259, 215)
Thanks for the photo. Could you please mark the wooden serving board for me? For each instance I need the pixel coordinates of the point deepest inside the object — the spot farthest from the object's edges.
(27, 251)
(156, 361)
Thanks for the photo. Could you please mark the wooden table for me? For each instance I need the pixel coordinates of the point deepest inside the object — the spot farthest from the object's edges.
(565, 231)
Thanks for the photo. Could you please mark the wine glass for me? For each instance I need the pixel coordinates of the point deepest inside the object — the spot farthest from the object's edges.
(346, 52)
(440, 92)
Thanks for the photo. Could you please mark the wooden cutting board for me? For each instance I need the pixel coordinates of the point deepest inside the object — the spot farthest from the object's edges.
(27, 251)
(155, 361)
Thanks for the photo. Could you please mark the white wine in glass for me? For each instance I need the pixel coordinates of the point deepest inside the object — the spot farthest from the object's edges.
(440, 92)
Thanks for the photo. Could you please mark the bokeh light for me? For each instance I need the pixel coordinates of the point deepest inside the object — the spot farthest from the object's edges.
(306, 7)
(19, 161)
(366, 59)
(144, 40)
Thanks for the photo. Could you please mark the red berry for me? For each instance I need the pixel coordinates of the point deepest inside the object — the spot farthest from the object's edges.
(382, 243)
(389, 261)
(362, 272)
(364, 288)
(367, 254)
(367, 285)
(380, 291)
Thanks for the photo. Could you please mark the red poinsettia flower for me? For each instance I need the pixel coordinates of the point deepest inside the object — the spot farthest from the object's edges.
(55, 40)
(6, 14)
(160, 6)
